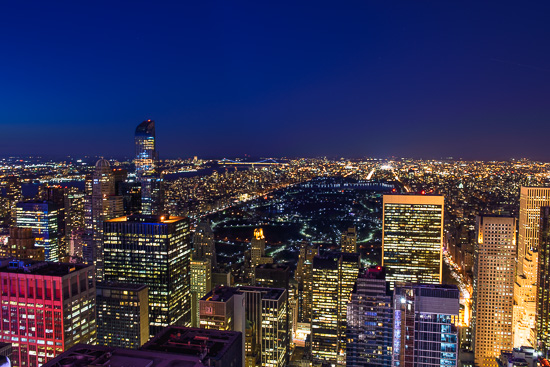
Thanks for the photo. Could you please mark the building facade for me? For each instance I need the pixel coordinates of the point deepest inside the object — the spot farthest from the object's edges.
(493, 283)
(424, 332)
(412, 238)
(46, 308)
(21, 245)
(531, 200)
(43, 217)
(122, 315)
(348, 242)
(334, 276)
(155, 251)
(543, 289)
(370, 321)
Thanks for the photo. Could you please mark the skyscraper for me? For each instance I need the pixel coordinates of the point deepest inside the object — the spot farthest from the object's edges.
(203, 243)
(46, 308)
(257, 252)
(543, 293)
(412, 238)
(146, 153)
(147, 171)
(334, 276)
(155, 251)
(304, 277)
(424, 332)
(122, 314)
(203, 260)
(101, 204)
(348, 242)
(43, 218)
(494, 269)
(525, 288)
(370, 321)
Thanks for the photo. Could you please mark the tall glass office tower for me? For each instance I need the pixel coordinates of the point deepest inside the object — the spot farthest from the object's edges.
(147, 172)
(146, 153)
(412, 238)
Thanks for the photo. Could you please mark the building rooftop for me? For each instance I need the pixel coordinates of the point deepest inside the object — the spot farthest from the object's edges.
(13, 265)
(83, 355)
(155, 219)
(204, 344)
(220, 294)
(121, 286)
(267, 293)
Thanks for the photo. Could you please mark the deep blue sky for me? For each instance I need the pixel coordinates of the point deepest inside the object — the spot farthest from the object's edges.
(274, 78)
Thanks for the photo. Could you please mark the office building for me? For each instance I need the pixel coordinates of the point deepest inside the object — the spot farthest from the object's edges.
(14, 194)
(543, 293)
(424, 322)
(334, 276)
(412, 238)
(74, 213)
(266, 313)
(223, 309)
(531, 200)
(21, 245)
(46, 308)
(147, 170)
(203, 243)
(146, 153)
(203, 260)
(122, 315)
(43, 218)
(304, 277)
(173, 347)
(493, 283)
(201, 284)
(155, 251)
(370, 321)
(101, 204)
(348, 242)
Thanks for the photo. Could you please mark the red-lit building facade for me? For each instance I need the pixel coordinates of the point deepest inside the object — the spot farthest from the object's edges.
(46, 308)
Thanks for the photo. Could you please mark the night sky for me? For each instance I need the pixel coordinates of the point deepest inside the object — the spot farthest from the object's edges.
(425, 79)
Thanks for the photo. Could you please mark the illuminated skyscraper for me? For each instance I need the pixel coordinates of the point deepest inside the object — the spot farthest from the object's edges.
(525, 288)
(155, 251)
(348, 241)
(14, 194)
(147, 171)
(203, 260)
(412, 238)
(334, 276)
(370, 321)
(257, 252)
(146, 153)
(122, 315)
(201, 284)
(46, 308)
(101, 204)
(494, 269)
(43, 218)
(304, 277)
(424, 322)
(543, 293)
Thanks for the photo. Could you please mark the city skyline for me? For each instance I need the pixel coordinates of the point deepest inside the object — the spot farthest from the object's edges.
(404, 79)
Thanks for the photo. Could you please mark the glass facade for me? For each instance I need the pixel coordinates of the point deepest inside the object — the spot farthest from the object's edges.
(412, 238)
(43, 218)
(370, 321)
